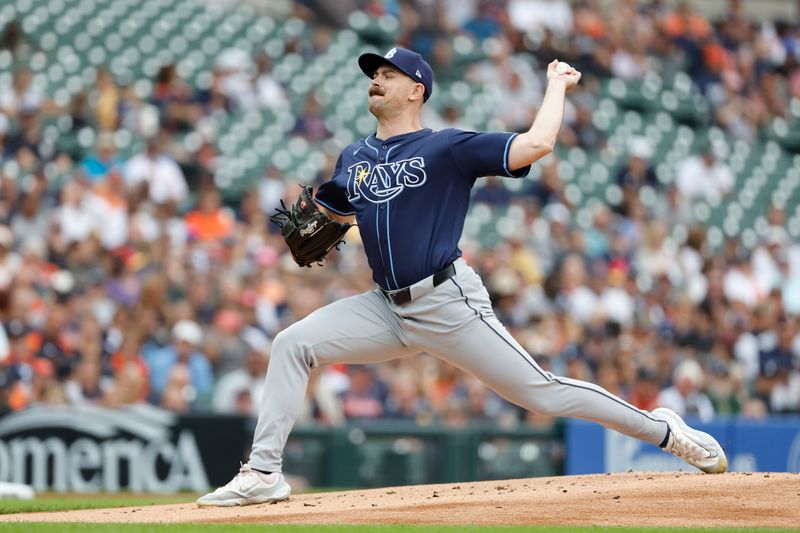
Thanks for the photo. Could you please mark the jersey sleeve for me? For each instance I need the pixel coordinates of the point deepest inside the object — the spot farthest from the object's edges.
(333, 196)
(483, 154)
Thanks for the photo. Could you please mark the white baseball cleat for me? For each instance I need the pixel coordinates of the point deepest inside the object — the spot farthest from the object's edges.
(248, 487)
(695, 447)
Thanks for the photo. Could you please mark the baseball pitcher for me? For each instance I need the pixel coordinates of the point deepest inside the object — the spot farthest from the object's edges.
(408, 188)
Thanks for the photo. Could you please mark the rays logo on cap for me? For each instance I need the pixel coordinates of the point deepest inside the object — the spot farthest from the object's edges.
(390, 54)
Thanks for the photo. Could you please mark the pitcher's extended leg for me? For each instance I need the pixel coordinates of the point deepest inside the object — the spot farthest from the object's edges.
(482, 347)
(359, 329)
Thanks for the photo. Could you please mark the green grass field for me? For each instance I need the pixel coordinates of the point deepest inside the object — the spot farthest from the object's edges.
(47, 502)
(61, 503)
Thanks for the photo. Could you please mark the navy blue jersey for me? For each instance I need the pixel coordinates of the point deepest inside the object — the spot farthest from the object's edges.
(410, 195)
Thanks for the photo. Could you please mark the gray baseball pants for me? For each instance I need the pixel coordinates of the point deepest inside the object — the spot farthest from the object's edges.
(454, 322)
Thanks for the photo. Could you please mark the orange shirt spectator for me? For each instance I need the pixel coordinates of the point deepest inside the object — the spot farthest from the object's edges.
(686, 23)
(209, 221)
(589, 22)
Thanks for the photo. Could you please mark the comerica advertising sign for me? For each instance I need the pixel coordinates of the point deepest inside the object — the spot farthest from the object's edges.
(90, 449)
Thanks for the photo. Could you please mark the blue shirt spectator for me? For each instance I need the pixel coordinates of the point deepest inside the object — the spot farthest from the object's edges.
(187, 335)
(100, 164)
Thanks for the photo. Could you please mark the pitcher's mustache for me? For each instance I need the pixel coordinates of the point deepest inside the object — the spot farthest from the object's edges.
(376, 90)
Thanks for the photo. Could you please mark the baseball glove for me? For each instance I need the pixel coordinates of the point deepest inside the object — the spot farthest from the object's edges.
(309, 232)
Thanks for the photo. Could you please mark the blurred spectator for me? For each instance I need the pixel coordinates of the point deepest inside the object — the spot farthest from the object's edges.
(405, 399)
(88, 385)
(629, 62)
(73, 218)
(645, 390)
(582, 132)
(176, 102)
(486, 21)
(481, 404)
(516, 108)
(554, 15)
(213, 100)
(28, 143)
(311, 123)
(685, 396)
(548, 188)
(779, 379)
(15, 41)
(226, 344)
(456, 13)
(724, 385)
(269, 92)
(100, 258)
(598, 236)
(704, 176)
(657, 255)
(31, 223)
(232, 66)
(108, 204)
(98, 165)
(22, 97)
(493, 192)
(210, 221)
(366, 396)
(575, 297)
(741, 284)
(180, 374)
(637, 172)
(239, 390)
(157, 173)
(5, 149)
(505, 68)
(552, 242)
(270, 190)
(449, 117)
(131, 374)
(107, 103)
(178, 394)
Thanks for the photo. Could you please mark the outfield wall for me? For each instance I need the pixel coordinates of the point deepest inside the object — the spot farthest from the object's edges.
(141, 448)
(770, 445)
(145, 449)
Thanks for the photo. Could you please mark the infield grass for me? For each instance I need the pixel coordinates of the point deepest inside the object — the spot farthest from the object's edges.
(47, 502)
(261, 528)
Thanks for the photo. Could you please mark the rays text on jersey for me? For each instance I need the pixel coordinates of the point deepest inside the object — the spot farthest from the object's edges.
(384, 181)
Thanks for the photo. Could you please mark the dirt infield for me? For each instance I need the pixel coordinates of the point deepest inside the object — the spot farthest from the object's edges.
(632, 499)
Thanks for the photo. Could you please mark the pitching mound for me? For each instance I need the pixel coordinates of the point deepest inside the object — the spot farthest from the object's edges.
(633, 499)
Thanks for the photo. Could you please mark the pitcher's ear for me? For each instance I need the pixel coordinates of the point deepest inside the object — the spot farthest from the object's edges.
(419, 92)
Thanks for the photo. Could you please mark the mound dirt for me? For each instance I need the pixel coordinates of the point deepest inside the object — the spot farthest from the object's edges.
(631, 499)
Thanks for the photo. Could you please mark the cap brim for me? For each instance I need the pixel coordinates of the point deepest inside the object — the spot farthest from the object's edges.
(370, 62)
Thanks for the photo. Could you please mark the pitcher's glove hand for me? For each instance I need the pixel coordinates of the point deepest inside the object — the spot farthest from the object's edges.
(309, 232)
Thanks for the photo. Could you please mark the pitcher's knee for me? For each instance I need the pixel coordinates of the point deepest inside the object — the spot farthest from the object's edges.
(289, 344)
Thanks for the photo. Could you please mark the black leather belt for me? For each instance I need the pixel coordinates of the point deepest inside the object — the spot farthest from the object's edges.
(403, 296)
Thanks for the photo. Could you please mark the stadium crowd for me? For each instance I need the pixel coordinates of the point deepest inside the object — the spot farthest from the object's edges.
(130, 279)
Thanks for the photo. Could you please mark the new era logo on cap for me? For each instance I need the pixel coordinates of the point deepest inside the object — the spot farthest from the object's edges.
(410, 63)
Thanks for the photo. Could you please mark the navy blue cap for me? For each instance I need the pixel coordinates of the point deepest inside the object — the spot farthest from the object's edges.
(408, 62)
